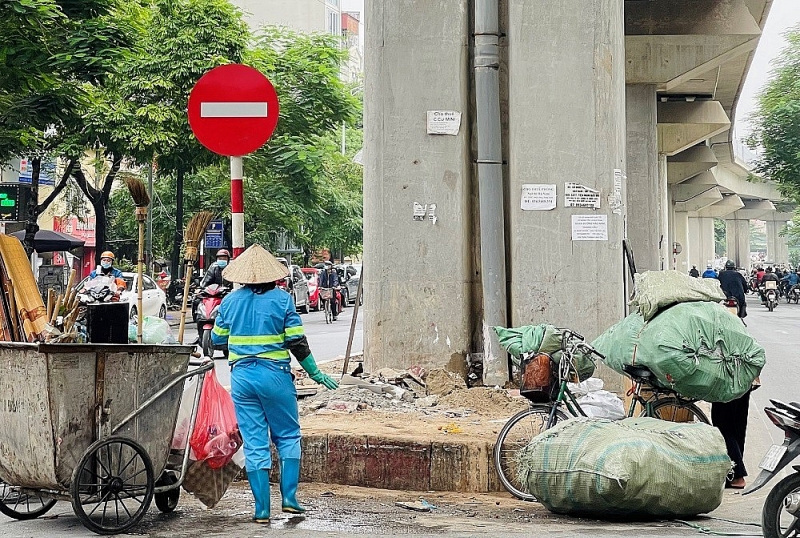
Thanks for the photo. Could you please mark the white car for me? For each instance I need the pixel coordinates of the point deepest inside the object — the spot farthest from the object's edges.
(154, 300)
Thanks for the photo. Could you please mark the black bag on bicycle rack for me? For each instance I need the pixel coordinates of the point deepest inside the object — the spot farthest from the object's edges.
(538, 382)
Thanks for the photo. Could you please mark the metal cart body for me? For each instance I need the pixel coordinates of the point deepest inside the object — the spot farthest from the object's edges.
(61, 401)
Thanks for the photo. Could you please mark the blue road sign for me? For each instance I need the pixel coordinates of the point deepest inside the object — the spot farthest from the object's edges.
(214, 234)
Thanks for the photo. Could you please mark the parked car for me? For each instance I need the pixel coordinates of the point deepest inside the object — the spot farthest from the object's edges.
(346, 273)
(351, 283)
(154, 300)
(297, 286)
(312, 276)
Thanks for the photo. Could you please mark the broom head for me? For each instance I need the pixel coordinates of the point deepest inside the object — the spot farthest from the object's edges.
(138, 191)
(195, 231)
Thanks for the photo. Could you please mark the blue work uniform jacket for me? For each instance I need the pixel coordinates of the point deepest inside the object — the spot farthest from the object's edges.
(257, 325)
(709, 273)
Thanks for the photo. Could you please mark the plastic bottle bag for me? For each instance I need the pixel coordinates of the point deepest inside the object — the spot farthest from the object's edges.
(216, 436)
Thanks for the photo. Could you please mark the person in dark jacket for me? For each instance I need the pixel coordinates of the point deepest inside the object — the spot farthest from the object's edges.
(694, 272)
(734, 285)
(330, 279)
(214, 273)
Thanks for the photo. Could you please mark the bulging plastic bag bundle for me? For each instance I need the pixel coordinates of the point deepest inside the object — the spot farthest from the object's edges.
(697, 349)
(656, 290)
(637, 467)
(540, 339)
(154, 331)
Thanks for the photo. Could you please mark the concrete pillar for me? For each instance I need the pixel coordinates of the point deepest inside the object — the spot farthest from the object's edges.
(566, 124)
(645, 186)
(737, 239)
(682, 237)
(777, 246)
(701, 241)
(418, 272)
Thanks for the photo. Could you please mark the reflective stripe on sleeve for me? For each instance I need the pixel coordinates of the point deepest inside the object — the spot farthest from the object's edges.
(295, 331)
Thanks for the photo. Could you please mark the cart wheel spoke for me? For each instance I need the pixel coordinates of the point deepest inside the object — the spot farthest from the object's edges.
(126, 475)
(20, 505)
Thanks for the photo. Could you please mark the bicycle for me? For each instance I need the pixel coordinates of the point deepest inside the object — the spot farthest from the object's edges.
(326, 296)
(527, 424)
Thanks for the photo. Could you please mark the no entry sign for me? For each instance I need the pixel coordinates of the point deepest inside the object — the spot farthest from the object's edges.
(233, 110)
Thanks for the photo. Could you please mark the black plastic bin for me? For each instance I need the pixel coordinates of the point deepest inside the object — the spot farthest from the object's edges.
(107, 323)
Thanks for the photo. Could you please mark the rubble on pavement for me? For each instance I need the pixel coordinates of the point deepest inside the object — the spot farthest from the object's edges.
(415, 390)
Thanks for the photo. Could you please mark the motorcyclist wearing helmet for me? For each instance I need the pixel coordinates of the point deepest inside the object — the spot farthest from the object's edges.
(214, 273)
(106, 267)
(769, 276)
(733, 285)
(709, 272)
(792, 280)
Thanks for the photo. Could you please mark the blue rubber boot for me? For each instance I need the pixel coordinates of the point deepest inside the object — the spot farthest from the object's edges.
(259, 483)
(290, 476)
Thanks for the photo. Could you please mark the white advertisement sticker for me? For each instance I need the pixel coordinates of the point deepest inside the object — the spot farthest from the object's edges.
(444, 122)
(538, 197)
(590, 227)
(577, 195)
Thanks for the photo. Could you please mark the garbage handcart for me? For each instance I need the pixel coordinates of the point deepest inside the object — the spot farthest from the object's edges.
(92, 424)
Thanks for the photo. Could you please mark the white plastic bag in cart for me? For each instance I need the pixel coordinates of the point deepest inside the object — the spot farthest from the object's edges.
(183, 425)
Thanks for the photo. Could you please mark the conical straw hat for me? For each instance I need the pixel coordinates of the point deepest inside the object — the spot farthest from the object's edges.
(255, 266)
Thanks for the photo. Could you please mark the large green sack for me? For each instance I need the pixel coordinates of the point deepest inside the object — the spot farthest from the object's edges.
(656, 290)
(697, 349)
(635, 467)
(540, 339)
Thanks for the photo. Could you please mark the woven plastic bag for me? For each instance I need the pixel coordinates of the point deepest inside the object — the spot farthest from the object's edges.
(656, 290)
(697, 349)
(216, 436)
(637, 467)
(540, 339)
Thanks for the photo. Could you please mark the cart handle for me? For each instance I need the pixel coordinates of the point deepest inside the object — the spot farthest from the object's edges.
(204, 367)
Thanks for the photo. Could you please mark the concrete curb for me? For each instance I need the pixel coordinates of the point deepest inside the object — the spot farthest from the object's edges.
(393, 463)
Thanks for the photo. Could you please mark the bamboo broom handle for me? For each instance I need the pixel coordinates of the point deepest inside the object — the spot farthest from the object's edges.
(56, 309)
(71, 282)
(185, 300)
(140, 325)
(51, 299)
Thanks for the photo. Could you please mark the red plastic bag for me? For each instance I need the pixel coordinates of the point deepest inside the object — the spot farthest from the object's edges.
(216, 436)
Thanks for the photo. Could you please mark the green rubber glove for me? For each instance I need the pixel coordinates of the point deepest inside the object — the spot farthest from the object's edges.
(310, 366)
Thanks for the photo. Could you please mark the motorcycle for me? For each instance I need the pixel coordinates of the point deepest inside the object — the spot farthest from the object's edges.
(770, 294)
(793, 295)
(175, 292)
(207, 310)
(781, 513)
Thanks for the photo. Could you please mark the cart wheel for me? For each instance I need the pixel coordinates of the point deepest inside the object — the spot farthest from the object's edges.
(18, 505)
(112, 486)
(167, 501)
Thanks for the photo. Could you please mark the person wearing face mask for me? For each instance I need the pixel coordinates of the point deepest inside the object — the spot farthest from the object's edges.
(106, 267)
(214, 273)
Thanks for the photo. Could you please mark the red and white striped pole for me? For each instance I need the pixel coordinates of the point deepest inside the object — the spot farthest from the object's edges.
(237, 206)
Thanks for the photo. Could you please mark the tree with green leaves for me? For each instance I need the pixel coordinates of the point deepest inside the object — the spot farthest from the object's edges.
(290, 181)
(141, 114)
(53, 53)
(776, 121)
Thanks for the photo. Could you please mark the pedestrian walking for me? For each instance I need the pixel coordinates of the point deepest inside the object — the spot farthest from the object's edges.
(261, 327)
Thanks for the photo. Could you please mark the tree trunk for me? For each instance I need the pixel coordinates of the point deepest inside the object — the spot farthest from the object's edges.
(31, 212)
(176, 247)
(101, 225)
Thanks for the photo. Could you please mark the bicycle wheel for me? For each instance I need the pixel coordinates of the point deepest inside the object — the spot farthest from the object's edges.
(328, 313)
(674, 410)
(516, 434)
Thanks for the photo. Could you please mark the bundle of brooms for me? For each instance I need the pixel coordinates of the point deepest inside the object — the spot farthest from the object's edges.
(67, 306)
(194, 233)
(142, 199)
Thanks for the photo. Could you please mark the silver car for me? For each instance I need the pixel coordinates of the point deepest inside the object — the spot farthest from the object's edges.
(352, 277)
(297, 286)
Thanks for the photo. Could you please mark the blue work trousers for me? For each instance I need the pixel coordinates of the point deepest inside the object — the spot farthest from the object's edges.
(266, 407)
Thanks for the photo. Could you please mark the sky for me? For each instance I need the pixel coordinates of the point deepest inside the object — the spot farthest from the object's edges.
(784, 14)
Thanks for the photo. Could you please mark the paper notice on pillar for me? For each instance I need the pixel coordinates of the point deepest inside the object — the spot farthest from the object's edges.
(590, 227)
(577, 195)
(420, 210)
(615, 198)
(444, 122)
(432, 213)
(538, 197)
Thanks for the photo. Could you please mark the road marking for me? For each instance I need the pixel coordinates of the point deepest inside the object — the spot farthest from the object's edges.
(233, 110)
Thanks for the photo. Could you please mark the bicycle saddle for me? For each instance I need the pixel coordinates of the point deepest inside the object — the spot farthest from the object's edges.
(638, 372)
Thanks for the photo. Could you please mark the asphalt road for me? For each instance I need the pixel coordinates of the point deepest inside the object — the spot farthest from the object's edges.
(372, 512)
(328, 342)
